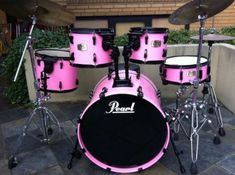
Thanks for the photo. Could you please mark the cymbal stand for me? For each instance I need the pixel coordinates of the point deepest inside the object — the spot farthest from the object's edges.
(209, 96)
(46, 117)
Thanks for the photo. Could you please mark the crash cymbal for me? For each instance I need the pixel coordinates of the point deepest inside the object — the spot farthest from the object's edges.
(189, 12)
(213, 37)
(47, 12)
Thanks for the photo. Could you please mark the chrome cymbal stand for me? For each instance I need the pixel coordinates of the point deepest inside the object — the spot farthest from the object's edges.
(209, 96)
(46, 118)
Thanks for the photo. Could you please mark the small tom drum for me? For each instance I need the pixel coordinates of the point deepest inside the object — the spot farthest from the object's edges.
(91, 47)
(54, 71)
(182, 70)
(148, 44)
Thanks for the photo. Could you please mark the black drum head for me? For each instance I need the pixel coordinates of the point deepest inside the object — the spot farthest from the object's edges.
(129, 135)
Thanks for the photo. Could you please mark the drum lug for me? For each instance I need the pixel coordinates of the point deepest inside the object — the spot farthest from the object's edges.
(140, 92)
(71, 39)
(164, 53)
(209, 70)
(77, 82)
(140, 170)
(61, 65)
(158, 93)
(146, 39)
(200, 74)
(145, 54)
(94, 58)
(102, 94)
(108, 169)
(138, 74)
(181, 75)
(91, 94)
(72, 56)
(94, 40)
(39, 62)
(165, 39)
(60, 85)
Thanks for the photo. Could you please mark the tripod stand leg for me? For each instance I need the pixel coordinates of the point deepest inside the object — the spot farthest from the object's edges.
(194, 139)
(53, 118)
(177, 153)
(75, 153)
(12, 162)
(217, 110)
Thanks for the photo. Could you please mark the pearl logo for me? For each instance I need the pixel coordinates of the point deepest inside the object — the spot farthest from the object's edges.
(116, 109)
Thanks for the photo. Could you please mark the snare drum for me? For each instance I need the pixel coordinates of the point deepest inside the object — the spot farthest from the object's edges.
(182, 70)
(148, 44)
(60, 75)
(114, 131)
(91, 47)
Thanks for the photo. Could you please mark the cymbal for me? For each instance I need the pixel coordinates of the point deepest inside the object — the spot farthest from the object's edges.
(47, 12)
(189, 12)
(214, 37)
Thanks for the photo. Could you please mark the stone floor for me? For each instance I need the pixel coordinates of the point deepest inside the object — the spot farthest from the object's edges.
(37, 158)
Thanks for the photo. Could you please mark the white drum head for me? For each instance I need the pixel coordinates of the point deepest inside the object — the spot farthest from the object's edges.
(54, 52)
(184, 60)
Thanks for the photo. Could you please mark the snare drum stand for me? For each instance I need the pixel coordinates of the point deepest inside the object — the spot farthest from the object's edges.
(47, 118)
(209, 96)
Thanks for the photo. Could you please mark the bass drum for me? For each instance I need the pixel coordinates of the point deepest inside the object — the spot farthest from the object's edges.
(123, 129)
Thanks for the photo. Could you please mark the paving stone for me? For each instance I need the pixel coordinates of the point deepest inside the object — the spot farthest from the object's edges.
(34, 161)
(228, 163)
(215, 170)
(169, 159)
(158, 168)
(55, 170)
(211, 152)
(15, 127)
(13, 114)
(28, 144)
(62, 150)
(4, 168)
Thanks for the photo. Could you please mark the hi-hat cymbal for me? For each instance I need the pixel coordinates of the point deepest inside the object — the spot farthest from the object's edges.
(214, 37)
(189, 12)
(47, 12)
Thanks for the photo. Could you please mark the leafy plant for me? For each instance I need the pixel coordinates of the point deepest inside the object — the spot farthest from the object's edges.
(17, 91)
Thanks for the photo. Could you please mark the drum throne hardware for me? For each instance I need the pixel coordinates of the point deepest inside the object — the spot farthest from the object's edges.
(194, 11)
(47, 120)
(122, 87)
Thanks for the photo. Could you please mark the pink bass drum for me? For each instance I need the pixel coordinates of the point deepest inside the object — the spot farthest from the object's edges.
(91, 47)
(182, 70)
(148, 44)
(54, 66)
(123, 129)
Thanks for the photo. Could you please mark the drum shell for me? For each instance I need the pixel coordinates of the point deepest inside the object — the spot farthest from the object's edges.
(184, 74)
(63, 77)
(153, 51)
(151, 94)
(86, 52)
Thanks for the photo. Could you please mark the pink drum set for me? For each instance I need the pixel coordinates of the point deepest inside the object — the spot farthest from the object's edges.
(124, 128)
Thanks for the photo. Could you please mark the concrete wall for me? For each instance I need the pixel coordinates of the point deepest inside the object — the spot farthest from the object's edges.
(222, 67)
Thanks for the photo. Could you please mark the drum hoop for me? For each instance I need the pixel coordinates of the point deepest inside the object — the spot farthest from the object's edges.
(52, 57)
(185, 66)
(101, 31)
(142, 30)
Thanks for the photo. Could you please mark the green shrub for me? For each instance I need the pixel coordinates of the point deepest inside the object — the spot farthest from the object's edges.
(17, 92)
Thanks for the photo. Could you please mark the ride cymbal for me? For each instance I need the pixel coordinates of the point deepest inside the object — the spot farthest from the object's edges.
(189, 12)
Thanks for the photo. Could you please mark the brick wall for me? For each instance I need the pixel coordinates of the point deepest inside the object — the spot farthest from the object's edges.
(141, 7)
